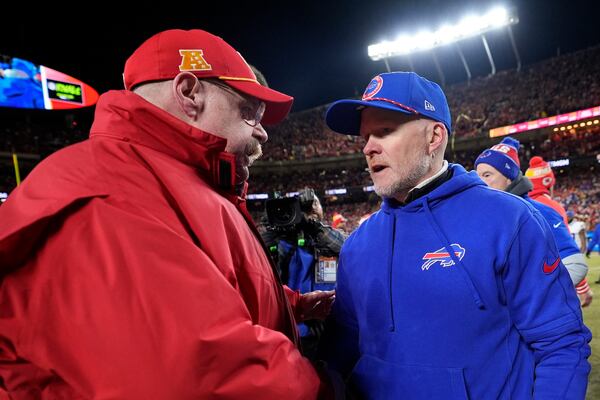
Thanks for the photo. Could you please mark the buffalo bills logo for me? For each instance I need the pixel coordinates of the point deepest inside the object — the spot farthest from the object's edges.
(486, 153)
(373, 87)
(443, 257)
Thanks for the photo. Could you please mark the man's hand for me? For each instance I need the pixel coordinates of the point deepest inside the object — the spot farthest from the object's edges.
(586, 298)
(316, 305)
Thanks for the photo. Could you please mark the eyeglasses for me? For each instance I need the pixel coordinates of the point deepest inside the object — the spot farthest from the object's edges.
(251, 114)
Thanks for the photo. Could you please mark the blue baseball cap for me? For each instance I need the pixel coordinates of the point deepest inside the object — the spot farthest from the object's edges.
(406, 92)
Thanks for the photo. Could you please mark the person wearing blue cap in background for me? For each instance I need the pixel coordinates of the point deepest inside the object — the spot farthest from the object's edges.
(499, 167)
(451, 290)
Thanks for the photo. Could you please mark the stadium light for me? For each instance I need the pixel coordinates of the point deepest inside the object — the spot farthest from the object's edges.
(332, 192)
(258, 196)
(469, 26)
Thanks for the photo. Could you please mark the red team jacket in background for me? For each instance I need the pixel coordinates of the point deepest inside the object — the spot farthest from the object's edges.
(128, 275)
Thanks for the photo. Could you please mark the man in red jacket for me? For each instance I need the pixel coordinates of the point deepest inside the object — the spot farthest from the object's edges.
(130, 266)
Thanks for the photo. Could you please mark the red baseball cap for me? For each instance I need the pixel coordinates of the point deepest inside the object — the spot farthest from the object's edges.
(168, 53)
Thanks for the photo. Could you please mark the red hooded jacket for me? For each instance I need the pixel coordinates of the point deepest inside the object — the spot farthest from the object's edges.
(129, 273)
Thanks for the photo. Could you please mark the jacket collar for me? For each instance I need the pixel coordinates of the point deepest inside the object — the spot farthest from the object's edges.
(125, 116)
(520, 186)
(429, 184)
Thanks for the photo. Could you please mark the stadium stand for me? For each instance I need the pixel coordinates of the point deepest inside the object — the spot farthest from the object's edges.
(562, 84)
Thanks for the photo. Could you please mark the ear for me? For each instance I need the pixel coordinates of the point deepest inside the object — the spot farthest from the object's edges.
(189, 93)
(438, 133)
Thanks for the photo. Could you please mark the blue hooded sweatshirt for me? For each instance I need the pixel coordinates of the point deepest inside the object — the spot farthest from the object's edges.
(459, 294)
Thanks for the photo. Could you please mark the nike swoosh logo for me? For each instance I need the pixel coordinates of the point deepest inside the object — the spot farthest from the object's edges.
(548, 269)
(557, 224)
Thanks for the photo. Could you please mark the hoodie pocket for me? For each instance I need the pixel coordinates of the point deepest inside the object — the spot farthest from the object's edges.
(374, 378)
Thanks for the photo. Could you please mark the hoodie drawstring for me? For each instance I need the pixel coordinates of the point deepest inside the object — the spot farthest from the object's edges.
(460, 266)
(392, 236)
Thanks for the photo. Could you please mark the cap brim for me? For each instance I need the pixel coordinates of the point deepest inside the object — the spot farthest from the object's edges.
(277, 104)
(343, 116)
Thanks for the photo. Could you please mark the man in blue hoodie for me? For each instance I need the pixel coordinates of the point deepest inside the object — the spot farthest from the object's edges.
(452, 290)
(499, 167)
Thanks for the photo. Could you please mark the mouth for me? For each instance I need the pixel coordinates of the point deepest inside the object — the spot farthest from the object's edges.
(253, 153)
(253, 157)
(378, 168)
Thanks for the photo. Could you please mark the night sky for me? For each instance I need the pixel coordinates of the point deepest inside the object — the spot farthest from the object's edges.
(315, 51)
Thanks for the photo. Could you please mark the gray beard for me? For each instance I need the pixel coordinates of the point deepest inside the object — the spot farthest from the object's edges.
(254, 151)
(405, 183)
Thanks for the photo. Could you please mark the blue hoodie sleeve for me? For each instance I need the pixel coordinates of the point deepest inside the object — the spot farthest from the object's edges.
(564, 241)
(545, 309)
(339, 344)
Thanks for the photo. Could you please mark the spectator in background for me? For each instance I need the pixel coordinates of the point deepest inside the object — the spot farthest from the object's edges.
(542, 178)
(447, 272)
(577, 228)
(338, 221)
(168, 293)
(499, 168)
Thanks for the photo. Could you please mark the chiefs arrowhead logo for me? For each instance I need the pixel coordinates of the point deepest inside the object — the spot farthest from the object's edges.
(548, 269)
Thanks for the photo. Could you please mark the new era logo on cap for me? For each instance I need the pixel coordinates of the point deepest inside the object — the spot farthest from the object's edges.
(429, 106)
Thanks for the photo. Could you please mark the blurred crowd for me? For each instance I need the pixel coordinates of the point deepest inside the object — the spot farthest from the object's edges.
(37, 137)
(304, 135)
(317, 178)
(556, 86)
(579, 191)
(571, 143)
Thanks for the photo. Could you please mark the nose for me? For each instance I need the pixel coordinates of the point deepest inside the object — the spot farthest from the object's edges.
(371, 147)
(260, 134)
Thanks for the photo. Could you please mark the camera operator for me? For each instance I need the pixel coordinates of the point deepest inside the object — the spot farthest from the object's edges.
(305, 251)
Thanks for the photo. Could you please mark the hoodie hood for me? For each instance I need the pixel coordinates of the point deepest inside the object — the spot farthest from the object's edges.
(520, 186)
